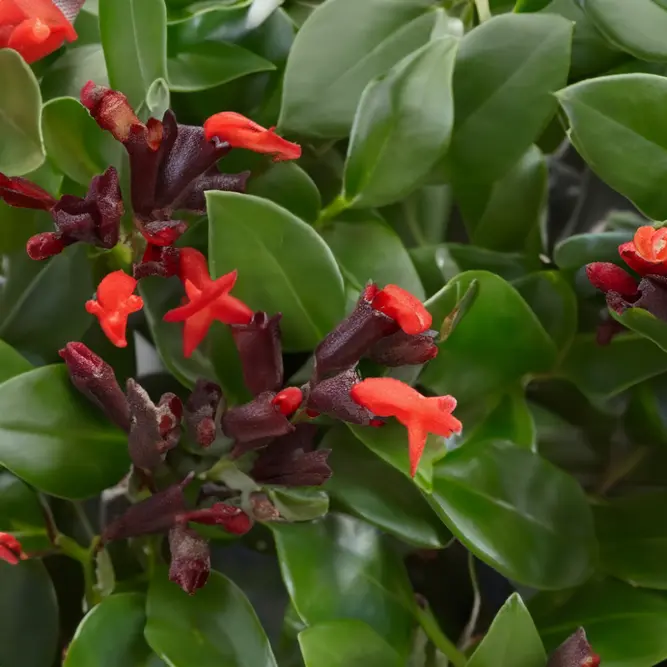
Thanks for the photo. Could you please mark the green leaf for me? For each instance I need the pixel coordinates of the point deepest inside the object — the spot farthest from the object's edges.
(74, 69)
(581, 249)
(300, 504)
(530, 5)
(111, 635)
(638, 29)
(55, 440)
(21, 513)
(29, 612)
(516, 512)
(215, 627)
(11, 362)
(480, 356)
(501, 110)
(596, 369)
(627, 627)
(402, 127)
(134, 38)
(51, 311)
(371, 584)
(370, 250)
(618, 126)
(289, 186)
(21, 149)
(342, 46)
(207, 64)
(367, 487)
(506, 215)
(158, 98)
(74, 142)
(284, 266)
(645, 324)
(346, 643)
(512, 640)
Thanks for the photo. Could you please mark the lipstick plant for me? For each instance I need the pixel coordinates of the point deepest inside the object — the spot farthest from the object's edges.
(333, 333)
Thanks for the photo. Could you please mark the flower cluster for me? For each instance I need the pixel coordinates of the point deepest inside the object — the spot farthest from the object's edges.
(646, 254)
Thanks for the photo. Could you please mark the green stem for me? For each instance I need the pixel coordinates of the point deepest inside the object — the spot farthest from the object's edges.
(483, 10)
(86, 557)
(438, 637)
(337, 206)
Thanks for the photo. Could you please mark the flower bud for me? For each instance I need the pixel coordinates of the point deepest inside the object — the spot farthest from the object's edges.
(401, 349)
(44, 245)
(22, 193)
(288, 400)
(608, 277)
(95, 379)
(332, 397)
(190, 559)
(258, 343)
(575, 651)
(256, 420)
(232, 519)
(200, 411)
(10, 549)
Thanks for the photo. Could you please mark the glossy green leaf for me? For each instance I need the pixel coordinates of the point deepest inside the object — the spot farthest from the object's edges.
(371, 582)
(618, 126)
(638, 28)
(512, 640)
(645, 420)
(74, 142)
(645, 324)
(158, 98)
(402, 126)
(54, 439)
(346, 643)
(21, 513)
(284, 266)
(11, 362)
(370, 250)
(581, 249)
(517, 512)
(300, 504)
(367, 487)
(506, 215)
(21, 149)
(74, 69)
(339, 49)
(29, 612)
(215, 627)
(480, 356)
(530, 5)
(596, 370)
(501, 110)
(51, 311)
(627, 627)
(288, 185)
(134, 38)
(111, 635)
(207, 64)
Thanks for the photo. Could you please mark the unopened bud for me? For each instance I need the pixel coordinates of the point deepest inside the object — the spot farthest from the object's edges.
(332, 397)
(255, 420)
(401, 349)
(200, 411)
(190, 559)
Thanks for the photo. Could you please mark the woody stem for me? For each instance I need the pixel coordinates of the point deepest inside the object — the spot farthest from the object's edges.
(446, 646)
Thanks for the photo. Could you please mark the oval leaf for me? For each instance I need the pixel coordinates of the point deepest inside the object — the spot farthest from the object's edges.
(284, 266)
(516, 512)
(55, 440)
(581, 249)
(21, 513)
(11, 362)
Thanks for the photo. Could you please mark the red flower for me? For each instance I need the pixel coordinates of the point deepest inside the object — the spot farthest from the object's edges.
(209, 300)
(22, 193)
(608, 277)
(647, 252)
(10, 549)
(405, 308)
(240, 132)
(34, 28)
(115, 302)
(288, 400)
(232, 519)
(387, 397)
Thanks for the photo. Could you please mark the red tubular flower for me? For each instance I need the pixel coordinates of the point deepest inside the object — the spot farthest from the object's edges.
(22, 193)
(10, 549)
(35, 28)
(288, 400)
(163, 261)
(240, 132)
(608, 277)
(387, 397)
(209, 300)
(647, 252)
(115, 302)
(232, 519)
(405, 308)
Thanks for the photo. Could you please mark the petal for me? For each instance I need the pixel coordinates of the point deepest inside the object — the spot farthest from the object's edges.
(416, 443)
(195, 329)
(386, 397)
(643, 241)
(405, 308)
(639, 263)
(194, 267)
(288, 400)
(435, 415)
(115, 289)
(230, 310)
(200, 299)
(659, 244)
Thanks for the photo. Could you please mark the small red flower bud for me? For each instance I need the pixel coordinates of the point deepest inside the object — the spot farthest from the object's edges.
(200, 411)
(44, 245)
(232, 519)
(190, 559)
(608, 277)
(115, 302)
(10, 549)
(313, 414)
(288, 400)
(647, 252)
(406, 309)
(575, 651)
(240, 132)
(22, 193)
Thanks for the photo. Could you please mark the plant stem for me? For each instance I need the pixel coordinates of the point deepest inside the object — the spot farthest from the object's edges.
(338, 205)
(483, 10)
(71, 548)
(438, 637)
(469, 630)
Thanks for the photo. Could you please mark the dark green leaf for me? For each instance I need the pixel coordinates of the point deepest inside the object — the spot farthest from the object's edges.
(501, 110)
(21, 514)
(371, 583)
(346, 643)
(645, 324)
(512, 640)
(645, 420)
(29, 612)
(55, 440)
(480, 356)
(530, 5)
(284, 266)
(11, 362)
(339, 49)
(402, 126)
(74, 69)
(21, 149)
(618, 126)
(517, 512)
(112, 635)
(581, 249)
(300, 504)
(215, 627)
(372, 490)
